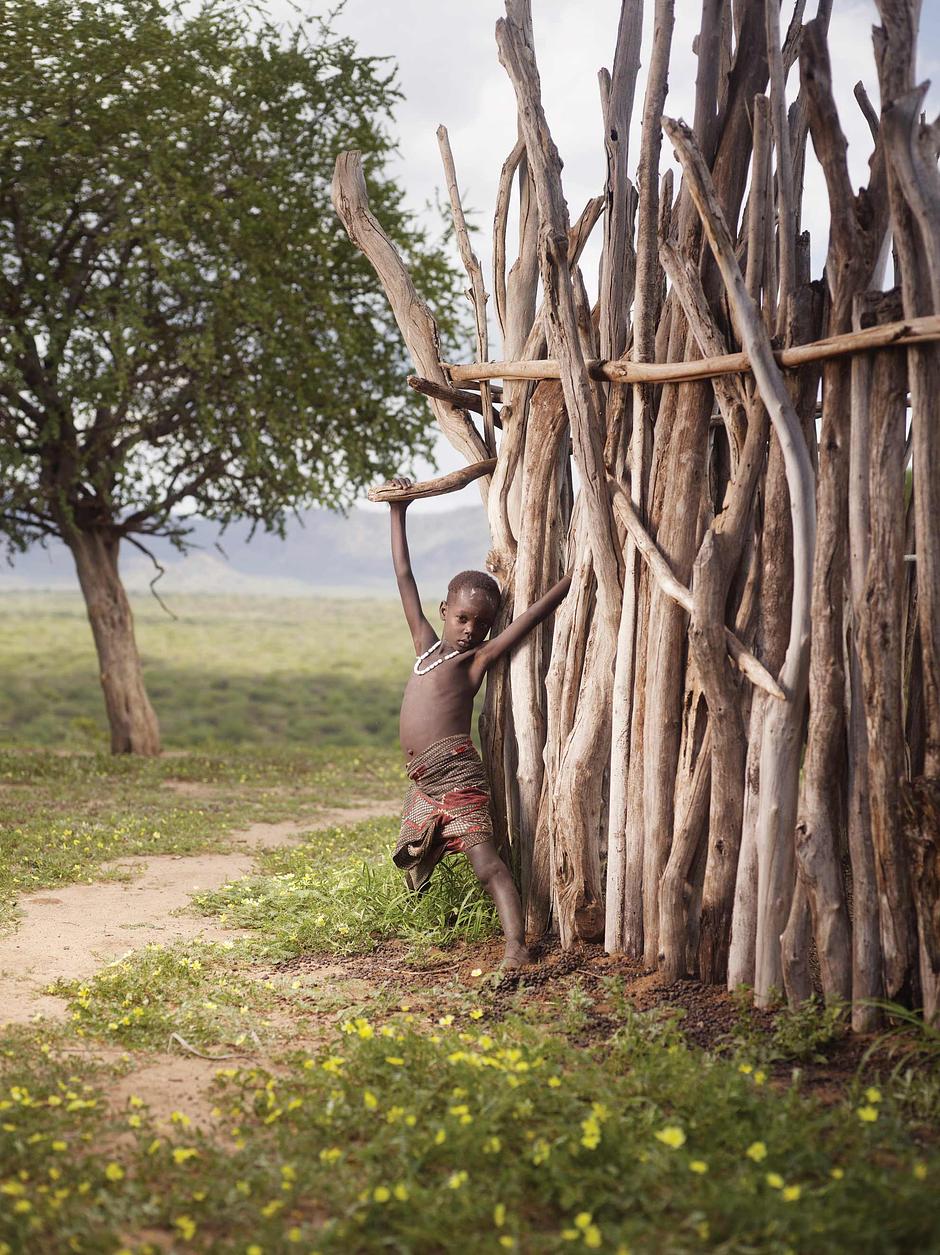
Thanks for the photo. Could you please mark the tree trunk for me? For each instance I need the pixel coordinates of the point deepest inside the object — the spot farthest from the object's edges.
(134, 727)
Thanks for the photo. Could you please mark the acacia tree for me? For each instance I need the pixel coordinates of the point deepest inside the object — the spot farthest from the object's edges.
(729, 755)
(182, 328)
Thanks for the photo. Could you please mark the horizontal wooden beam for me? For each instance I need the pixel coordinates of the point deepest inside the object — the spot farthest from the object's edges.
(888, 335)
(434, 487)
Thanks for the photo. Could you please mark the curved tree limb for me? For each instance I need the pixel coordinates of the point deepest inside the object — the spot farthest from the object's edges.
(415, 321)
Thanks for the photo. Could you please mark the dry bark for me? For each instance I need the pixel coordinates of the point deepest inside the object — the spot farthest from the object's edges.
(134, 727)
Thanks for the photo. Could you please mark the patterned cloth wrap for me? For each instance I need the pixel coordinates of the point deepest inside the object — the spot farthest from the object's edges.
(446, 809)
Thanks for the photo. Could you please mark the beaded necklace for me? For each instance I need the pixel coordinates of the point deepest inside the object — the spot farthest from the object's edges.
(418, 661)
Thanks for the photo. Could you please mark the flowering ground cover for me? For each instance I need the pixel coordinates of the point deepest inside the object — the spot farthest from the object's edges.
(415, 1103)
(362, 1078)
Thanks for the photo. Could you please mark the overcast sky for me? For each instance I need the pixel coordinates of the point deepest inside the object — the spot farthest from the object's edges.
(449, 72)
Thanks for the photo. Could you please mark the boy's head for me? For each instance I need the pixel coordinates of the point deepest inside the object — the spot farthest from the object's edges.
(470, 609)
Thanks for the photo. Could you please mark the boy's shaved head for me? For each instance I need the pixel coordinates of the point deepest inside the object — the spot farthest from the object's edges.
(470, 582)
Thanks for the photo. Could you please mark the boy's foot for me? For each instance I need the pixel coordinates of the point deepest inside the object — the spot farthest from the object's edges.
(516, 956)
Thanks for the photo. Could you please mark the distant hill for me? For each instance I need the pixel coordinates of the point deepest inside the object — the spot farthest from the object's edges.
(322, 553)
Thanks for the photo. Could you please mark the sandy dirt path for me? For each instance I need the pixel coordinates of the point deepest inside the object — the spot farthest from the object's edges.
(70, 932)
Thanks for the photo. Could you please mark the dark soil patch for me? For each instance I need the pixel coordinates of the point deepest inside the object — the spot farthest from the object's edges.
(709, 1015)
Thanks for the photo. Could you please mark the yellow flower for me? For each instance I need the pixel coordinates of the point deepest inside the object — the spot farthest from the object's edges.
(182, 1153)
(499, 1215)
(395, 1060)
(920, 1170)
(554, 1082)
(134, 1122)
(671, 1136)
(445, 1021)
(457, 1179)
(440, 1137)
(791, 1193)
(774, 1180)
(756, 1151)
(59, 1146)
(837, 1174)
(872, 1094)
(114, 1172)
(294, 1235)
(699, 1166)
(254, 1249)
(592, 1237)
(330, 1154)
(582, 1219)
(745, 1068)
(476, 1014)
(370, 1099)
(868, 1115)
(507, 1241)
(759, 1077)
(381, 1193)
(135, 1101)
(186, 1226)
(591, 1133)
(401, 1192)
(492, 1146)
(477, 971)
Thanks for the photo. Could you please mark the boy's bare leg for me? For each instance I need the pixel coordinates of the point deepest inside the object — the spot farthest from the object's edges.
(496, 879)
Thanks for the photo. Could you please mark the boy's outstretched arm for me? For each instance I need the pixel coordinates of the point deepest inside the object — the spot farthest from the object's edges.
(422, 634)
(521, 626)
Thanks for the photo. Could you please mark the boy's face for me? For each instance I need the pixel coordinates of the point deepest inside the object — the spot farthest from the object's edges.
(468, 617)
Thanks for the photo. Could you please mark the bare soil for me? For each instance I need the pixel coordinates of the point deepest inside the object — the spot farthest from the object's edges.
(69, 933)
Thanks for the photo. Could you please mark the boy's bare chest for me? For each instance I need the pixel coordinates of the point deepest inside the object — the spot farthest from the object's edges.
(449, 682)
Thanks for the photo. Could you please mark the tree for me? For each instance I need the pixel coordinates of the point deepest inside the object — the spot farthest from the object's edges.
(742, 694)
(184, 329)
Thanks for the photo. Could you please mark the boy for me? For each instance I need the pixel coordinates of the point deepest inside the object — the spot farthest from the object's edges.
(446, 808)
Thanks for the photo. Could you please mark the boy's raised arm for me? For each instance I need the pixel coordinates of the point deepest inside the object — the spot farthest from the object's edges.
(521, 626)
(422, 634)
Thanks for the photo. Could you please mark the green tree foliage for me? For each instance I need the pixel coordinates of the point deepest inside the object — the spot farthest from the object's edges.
(183, 322)
(185, 328)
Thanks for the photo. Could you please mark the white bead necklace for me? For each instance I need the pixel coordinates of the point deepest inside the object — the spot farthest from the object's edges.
(418, 661)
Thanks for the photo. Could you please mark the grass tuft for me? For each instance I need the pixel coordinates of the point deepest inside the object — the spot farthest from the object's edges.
(339, 893)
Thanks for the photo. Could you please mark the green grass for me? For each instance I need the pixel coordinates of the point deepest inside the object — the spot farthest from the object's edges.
(251, 672)
(196, 990)
(397, 1134)
(63, 815)
(392, 1111)
(340, 893)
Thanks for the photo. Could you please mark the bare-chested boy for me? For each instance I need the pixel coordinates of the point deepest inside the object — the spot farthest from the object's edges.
(447, 806)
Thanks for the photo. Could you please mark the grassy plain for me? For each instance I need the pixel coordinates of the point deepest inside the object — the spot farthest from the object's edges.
(267, 674)
(379, 1086)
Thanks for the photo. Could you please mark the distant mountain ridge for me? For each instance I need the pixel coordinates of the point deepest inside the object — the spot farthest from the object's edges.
(322, 552)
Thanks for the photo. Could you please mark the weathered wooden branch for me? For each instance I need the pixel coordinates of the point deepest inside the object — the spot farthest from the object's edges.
(909, 331)
(500, 224)
(451, 482)
(750, 666)
(415, 321)
(781, 729)
(460, 397)
(478, 295)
